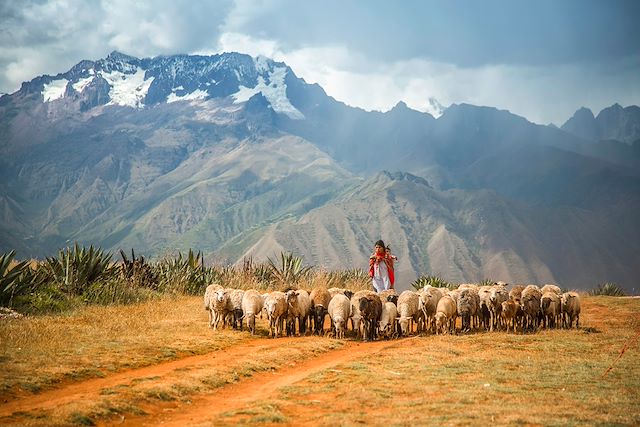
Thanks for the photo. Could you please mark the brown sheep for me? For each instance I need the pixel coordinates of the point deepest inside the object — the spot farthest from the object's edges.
(320, 298)
(571, 309)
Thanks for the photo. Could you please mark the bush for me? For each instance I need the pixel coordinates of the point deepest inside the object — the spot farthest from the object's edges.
(610, 289)
(434, 281)
(75, 269)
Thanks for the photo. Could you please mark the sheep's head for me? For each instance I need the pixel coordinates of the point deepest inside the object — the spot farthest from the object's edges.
(220, 295)
(404, 324)
(441, 320)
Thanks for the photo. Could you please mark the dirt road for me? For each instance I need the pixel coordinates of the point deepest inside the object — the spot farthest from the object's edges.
(200, 408)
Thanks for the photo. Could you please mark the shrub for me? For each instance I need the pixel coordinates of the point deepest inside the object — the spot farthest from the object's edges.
(185, 274)
(289, 271)
(75, 269)
(434, 281)
(608, 288)
(12, 281)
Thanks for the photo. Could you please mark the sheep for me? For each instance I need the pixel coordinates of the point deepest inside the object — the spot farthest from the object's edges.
(208, 300)
(408, 310)
(234, 307)
(299, 303)
(468, 304)
(497, 296)
(219, 307)
(550, 308)
(276, 305)
(516, 292)
(427, 303)
(356, 317)
(570, 309)
(339, 310)
(343, 291)
(484, 294)
(509, 314)
(446, 314)
(371, 311)
(387, 325)
(552, 288)
(252, 304)
(320, 299)
(389, 295)
(530, 302)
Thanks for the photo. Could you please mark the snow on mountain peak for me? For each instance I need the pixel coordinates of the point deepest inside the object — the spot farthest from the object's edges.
(54, 90)
(275, 91)
(127, 89)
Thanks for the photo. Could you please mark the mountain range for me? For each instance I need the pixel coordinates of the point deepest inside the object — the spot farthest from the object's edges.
(238, 157)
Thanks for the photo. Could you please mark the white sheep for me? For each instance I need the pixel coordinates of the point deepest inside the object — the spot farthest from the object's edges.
(428, 302)
(208, 300)
(387, 325)
(276, 306)
(299, 308)
(219, 305)
(339, 311)
(408, 311)
(446, 315)
(252, 304)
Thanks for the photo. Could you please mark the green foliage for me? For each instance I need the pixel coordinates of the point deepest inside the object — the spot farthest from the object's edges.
(185, 274)
(12, 281)
(137, 272)
(290, 270)
(487, 282)
(608, 288)
(77, 268)
(434, 281)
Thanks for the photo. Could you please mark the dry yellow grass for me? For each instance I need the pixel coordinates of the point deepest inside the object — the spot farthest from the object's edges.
(95, 341)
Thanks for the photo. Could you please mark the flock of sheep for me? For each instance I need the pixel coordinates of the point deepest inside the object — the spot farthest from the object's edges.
(389, 315)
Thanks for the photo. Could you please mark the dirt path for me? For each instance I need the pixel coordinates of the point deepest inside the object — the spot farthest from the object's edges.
(90, 389)
(203, 407)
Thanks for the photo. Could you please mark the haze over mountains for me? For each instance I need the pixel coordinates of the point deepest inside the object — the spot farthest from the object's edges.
(237, 157)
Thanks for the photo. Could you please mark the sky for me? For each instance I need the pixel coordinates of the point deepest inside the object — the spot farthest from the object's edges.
(539, 59)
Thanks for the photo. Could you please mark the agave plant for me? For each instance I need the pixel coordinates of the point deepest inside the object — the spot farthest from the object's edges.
(434, 281)
(185, 274)
(75, 269)
(12, 281)
(290, 270)
(608, 288)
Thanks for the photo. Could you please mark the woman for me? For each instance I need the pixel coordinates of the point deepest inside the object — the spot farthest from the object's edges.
(381, 268)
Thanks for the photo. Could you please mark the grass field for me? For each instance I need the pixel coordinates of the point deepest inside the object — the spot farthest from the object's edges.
(158, 362)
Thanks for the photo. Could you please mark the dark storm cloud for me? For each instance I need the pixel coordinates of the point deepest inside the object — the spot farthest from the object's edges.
(464, 33)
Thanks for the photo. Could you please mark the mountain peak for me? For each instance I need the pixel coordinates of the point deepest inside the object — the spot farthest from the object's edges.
(121, 57)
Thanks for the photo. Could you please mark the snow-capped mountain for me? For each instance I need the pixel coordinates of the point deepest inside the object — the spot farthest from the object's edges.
(124, 80)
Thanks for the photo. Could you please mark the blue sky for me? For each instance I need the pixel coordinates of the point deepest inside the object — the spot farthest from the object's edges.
(539, 59)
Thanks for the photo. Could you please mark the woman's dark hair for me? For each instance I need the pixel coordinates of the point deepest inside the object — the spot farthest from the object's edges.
(380, 243)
